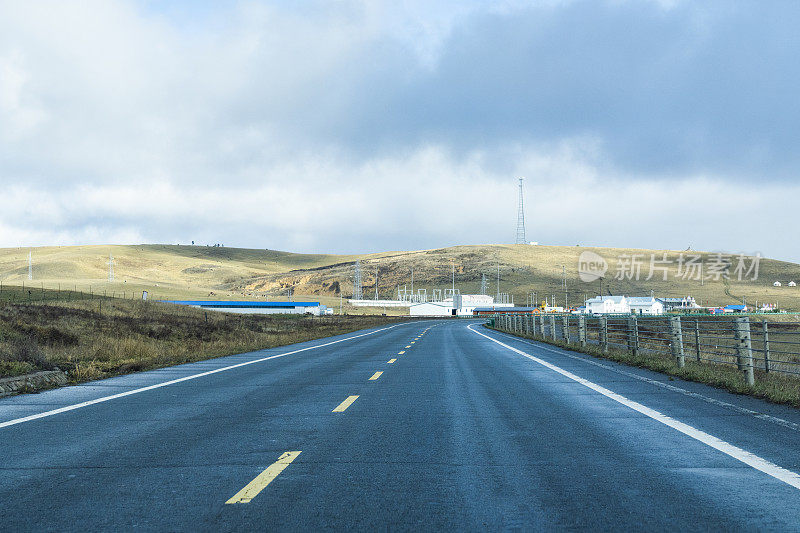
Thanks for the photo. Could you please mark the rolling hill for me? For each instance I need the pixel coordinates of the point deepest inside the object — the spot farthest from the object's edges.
(176, 271)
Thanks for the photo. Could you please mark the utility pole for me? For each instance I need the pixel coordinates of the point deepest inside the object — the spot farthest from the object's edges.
(483, 283)
(412, 282)
(498, 282)
(30, 265)
(357, 281)
(453, 265)
(564, 276)
(376, 283)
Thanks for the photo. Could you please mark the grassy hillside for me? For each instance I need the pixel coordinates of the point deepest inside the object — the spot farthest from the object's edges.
(168, 271)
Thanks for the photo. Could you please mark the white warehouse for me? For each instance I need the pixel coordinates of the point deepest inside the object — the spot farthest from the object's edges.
(460, 305)
(432, 309)
(606, 305)
(645, 305)
(609, 305)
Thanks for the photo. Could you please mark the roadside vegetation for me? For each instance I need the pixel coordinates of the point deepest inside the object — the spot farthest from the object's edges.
(102, 337)
(773, 387)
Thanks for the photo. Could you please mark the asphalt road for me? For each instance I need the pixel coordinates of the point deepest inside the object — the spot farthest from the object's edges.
(465, 429)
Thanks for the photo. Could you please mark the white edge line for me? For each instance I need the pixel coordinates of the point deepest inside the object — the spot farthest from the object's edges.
(726, 405)
(750, 459)
(87, 403)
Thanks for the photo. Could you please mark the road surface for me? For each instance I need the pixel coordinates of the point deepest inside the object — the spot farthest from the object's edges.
(423, 426)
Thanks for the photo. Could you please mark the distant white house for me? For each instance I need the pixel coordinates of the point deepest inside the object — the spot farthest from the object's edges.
(792, 284)
(645, 305)
(604, 305)
(776, 284)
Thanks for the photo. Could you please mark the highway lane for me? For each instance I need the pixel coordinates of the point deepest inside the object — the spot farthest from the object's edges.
(458, 432)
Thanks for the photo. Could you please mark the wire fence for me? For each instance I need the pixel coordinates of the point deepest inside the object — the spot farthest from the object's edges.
(39, 293)
(742, 342)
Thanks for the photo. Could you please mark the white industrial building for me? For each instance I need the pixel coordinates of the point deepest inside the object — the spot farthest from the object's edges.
(687, 302)
(605, 305)
(378, 303)
(459, 305)
(432, 309)
(645, 305)
(609, 305)
(258, 308)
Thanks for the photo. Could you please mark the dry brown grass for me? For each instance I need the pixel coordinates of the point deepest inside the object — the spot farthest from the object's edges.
(93, 339)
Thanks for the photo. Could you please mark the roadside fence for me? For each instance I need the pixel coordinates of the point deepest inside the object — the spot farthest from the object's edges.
(751, 346)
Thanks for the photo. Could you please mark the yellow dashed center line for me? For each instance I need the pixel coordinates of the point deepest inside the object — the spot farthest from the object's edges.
(390, 361)
(407, 347)
(345, 404)
(375, 376)
(401, 352)
(252, 489)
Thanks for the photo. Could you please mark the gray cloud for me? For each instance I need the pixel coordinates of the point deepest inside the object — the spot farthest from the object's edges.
(356, 126)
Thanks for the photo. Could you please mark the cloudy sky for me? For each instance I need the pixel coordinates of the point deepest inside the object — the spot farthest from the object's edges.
(355, 126)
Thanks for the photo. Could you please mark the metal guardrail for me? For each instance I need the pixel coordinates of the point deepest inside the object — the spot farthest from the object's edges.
(747, 344)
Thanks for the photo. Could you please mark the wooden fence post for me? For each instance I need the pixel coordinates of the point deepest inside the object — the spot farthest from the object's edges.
(633, 335)
(744, 348)
(697, 339)
(604, 333)
(676, 336)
